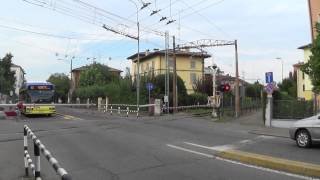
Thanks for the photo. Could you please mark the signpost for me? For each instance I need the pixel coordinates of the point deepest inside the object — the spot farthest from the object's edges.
(150, 87)
(269, 89)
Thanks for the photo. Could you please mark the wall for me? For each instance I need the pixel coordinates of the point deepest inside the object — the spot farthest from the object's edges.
(307, 93)
(314, 15)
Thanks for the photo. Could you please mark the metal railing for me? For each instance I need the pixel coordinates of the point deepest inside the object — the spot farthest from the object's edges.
(126, 108)
(39, 147)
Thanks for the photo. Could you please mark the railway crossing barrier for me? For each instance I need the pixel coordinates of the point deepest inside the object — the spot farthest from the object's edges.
(125, 108)
(38, 148)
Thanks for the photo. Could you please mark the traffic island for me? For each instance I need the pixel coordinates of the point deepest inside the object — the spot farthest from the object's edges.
(295, 167)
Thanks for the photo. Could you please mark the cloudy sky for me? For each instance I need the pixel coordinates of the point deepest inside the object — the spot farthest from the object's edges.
(44, 34)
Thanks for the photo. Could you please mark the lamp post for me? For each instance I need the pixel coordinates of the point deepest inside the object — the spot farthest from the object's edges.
(279, 58)
(138, 56)
(71, 83)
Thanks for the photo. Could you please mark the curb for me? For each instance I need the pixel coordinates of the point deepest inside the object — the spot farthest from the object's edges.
(295, 167)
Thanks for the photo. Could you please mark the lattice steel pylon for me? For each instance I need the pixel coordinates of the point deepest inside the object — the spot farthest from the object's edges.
(203, 43)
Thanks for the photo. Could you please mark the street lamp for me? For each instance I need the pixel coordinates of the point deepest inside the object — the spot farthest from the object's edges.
(279, 58)
(71, 83)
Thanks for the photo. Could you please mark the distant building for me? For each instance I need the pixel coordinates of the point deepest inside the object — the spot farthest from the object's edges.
(189, 65)
(19, 76)
(77, 72)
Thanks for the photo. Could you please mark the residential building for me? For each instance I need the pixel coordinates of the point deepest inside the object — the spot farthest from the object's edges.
(304, 85)
(19, 76)
(77, 72)
(189, 65)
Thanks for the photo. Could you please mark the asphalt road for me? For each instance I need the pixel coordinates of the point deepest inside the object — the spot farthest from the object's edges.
(98, 146)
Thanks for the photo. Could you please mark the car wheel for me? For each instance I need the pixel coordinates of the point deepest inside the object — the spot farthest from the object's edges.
(303, 138)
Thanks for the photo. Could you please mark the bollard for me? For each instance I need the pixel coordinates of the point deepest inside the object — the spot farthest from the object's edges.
(25, 148)
(119, 110)
(111, 111)
(37, 159)
(128, 111)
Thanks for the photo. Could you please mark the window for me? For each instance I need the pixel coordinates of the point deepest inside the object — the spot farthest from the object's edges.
(193, 64)
(303, 88)
(303, 75)
(193, 78)
(152, 65)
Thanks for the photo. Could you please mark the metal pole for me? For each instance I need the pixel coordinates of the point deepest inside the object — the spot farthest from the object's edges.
(214, 113)
(237, 95)
(174, 78)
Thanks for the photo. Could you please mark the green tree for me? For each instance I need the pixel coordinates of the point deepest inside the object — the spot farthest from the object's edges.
(95, 74)
(289, 86)
(62, 85)
(7, 78)
(312, 67)
(254, 90)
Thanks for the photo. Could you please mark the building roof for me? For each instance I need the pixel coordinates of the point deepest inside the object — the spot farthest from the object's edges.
(298, 64)
(148, 54)
(82, 68)
(17, 66)
(305, 46)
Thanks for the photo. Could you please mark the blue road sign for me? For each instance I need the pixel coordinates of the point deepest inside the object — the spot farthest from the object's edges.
(269, 77)
(149, 86)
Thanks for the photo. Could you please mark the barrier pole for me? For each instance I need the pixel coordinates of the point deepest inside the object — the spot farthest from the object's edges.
(119, 110)
(111, 111)
(128, 111)
(25, 148)
(37, 160)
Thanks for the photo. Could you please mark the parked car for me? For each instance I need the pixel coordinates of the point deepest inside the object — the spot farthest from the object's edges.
(306, 131)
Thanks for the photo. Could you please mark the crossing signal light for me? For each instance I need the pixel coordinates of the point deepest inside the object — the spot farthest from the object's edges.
(225, 88)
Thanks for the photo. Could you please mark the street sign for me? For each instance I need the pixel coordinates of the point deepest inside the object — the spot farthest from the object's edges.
(269, 77)
(149, 86)
(269, 88)
(165, 99)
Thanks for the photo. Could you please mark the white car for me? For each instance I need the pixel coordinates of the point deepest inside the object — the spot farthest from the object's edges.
(306, 131)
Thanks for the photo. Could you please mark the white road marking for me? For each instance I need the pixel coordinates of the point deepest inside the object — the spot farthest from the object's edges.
(190, 151)
(215, 148)
(239, 163)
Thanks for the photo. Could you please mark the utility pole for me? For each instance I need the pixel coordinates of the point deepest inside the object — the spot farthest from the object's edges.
(174, 78)
(237, 94)
(166, 98)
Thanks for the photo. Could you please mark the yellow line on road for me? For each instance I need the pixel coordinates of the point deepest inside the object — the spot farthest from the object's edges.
(295, 167)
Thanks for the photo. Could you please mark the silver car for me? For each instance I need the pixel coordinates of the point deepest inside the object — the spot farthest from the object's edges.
(306, 131)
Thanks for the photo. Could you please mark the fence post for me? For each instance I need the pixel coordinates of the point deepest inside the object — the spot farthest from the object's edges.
(88, 103)
(128, 111)
(119, 110)
(37, 160)
(25, 148)
(138, 112)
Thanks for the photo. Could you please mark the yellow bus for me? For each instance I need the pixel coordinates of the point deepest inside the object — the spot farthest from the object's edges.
(36, 99)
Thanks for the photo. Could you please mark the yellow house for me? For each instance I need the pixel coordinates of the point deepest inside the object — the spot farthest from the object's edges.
(304, 85)
(189, 65)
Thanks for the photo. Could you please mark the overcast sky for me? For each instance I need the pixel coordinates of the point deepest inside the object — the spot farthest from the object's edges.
(38, 36)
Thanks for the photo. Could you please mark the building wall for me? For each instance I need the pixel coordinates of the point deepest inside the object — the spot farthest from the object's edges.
(314, 8)
(19, 76)
(304, 85)
(183, 66)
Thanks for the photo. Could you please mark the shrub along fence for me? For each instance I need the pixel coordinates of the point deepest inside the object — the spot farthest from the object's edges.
(292, 109)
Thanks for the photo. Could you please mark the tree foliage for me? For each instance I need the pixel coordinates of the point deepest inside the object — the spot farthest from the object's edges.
(62, 85)
(312, 67)
(95, 74)
(254, 90)
(7, 78)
